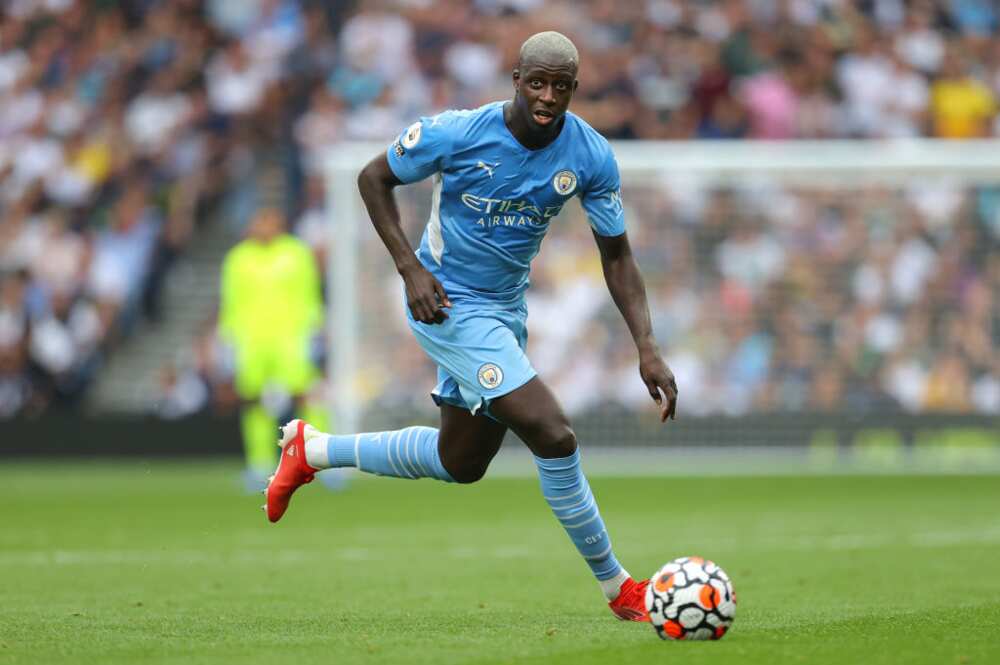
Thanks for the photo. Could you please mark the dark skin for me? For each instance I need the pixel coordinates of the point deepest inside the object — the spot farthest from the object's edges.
(467, 443)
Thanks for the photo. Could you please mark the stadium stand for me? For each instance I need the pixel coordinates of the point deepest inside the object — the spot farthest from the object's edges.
(114, 153)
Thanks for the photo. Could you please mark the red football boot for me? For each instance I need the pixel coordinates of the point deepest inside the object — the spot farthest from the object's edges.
(292, 471)
(630, 605)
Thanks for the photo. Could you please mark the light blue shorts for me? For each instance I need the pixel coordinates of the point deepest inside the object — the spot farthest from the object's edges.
(479, 351)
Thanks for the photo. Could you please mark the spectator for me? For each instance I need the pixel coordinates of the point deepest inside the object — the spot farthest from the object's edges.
(122, 252)
(237, 83)
(961, 106)
(122, 124)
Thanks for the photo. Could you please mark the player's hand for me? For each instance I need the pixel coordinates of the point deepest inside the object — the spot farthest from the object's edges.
(425, 296)
(660, 383)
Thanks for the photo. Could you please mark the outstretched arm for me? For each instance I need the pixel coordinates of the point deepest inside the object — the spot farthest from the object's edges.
(629, 293)
(425, 295)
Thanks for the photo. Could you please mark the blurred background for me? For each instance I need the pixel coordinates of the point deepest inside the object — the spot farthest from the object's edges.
(138, 140)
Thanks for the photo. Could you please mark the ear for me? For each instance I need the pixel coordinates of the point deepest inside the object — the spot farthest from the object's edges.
(576, 84)
(516, 77)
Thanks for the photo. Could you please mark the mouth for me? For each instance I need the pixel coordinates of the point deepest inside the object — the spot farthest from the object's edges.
(543, 116)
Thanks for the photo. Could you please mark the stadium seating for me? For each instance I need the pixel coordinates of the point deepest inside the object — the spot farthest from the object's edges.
(121, 123)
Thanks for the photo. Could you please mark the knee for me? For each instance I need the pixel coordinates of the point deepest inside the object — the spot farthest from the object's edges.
(554, 440)
(464, 468)
(469, 472)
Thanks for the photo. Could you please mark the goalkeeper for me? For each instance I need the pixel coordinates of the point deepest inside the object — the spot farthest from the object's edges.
(270, 274)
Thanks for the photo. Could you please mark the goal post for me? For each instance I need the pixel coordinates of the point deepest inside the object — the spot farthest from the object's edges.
(721, 221)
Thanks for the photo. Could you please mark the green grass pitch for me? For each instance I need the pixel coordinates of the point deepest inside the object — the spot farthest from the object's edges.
(166, 562)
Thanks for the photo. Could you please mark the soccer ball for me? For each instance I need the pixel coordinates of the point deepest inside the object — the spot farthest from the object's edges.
(690, 599)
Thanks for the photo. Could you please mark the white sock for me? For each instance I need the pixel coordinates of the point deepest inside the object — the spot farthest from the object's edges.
(612, 585)
(317, 455)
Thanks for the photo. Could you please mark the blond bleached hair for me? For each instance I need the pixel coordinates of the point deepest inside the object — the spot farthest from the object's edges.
(550, 47)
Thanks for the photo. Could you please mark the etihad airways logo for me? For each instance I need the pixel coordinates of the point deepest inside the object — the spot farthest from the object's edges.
(487, 205)
(508, 212)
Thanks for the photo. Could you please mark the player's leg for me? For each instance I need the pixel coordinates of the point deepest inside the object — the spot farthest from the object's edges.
(256, 423)
(459, 452)
(413, 452)
(257, 429)
(535, 415)
(465, 441)
(481, 349)
(468, 442)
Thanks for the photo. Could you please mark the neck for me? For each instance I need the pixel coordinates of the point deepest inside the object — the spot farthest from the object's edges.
(528, 135)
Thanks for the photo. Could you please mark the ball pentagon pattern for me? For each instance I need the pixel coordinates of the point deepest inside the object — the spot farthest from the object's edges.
(691, 598)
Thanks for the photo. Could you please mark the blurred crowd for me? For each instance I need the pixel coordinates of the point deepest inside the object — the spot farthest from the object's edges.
(122, 126)
(125, 126)
(765, 299)
(771, 299)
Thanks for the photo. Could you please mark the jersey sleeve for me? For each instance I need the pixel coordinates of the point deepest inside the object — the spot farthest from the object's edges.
(602, 199)
(422, 149)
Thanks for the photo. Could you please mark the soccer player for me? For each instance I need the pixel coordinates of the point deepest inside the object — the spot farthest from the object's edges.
(269, 271)
(501, 173)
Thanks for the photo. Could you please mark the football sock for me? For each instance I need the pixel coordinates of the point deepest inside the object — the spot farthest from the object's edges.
(405, 453)
(612, 586)
(568, 493)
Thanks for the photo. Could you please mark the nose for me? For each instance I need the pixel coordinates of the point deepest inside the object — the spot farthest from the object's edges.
(547, 95)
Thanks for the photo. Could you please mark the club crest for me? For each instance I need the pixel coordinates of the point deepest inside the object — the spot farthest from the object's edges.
(564, 182)
(412, 136)
(490, 376)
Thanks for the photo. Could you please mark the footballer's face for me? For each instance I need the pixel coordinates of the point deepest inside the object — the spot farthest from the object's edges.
(266, 225)
(544, 91)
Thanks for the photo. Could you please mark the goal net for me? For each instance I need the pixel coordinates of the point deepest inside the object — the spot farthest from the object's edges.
(832, 295)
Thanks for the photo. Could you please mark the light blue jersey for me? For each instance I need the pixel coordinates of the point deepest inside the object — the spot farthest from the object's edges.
(493, 202)
(494, 199)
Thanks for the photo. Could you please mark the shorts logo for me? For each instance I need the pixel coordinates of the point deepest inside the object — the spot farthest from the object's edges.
(564, 182)
(412, 136)
(490, 376)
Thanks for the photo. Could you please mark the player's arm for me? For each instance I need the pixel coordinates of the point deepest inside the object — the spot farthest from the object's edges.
(425, 295)
(602, 200)
(621, 273)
